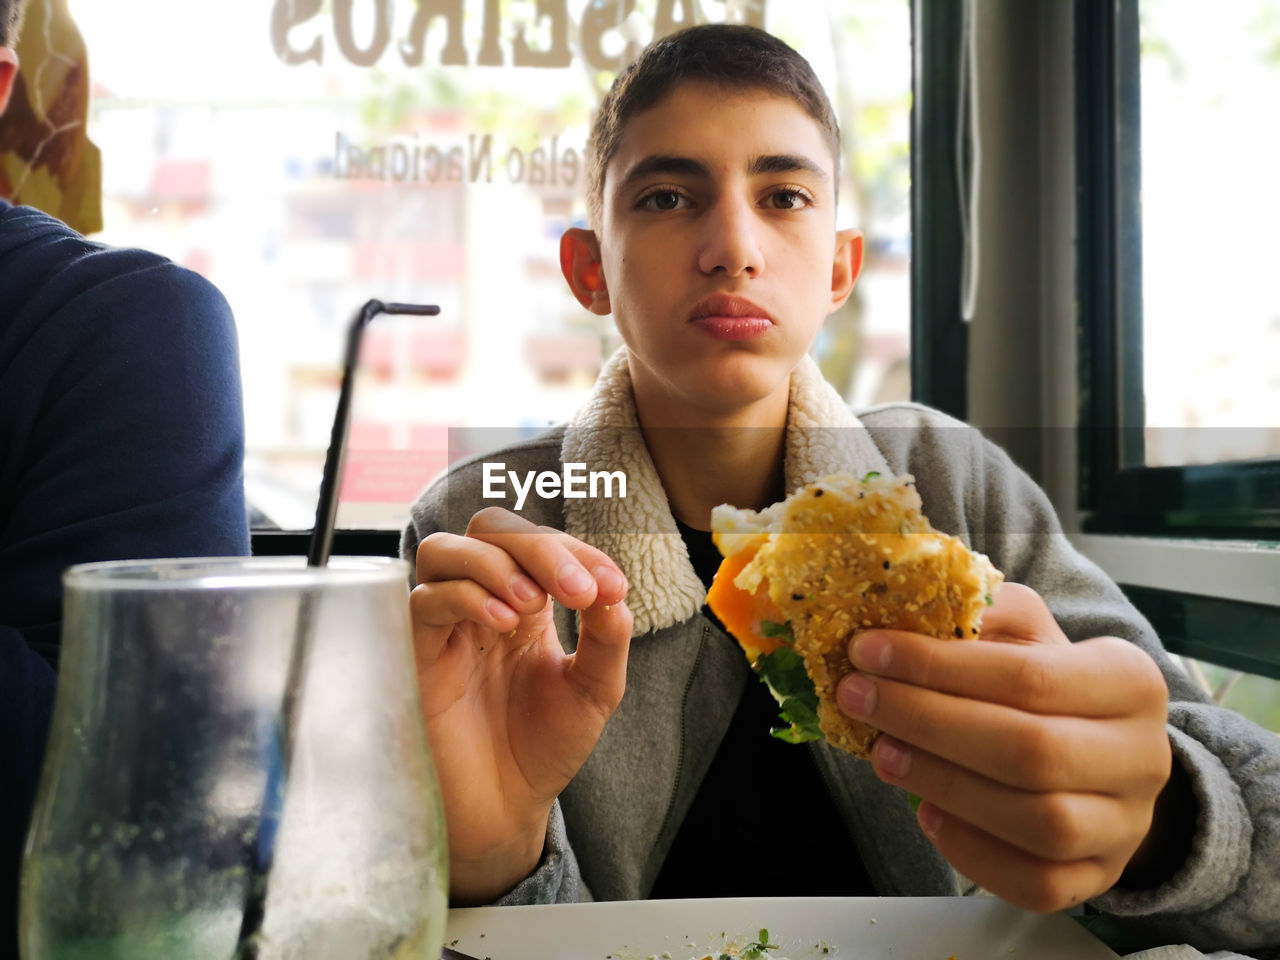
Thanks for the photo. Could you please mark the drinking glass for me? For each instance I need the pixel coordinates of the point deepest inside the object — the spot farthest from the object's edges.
(169, 740)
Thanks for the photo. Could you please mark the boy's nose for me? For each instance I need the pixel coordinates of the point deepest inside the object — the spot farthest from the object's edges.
(730, 244)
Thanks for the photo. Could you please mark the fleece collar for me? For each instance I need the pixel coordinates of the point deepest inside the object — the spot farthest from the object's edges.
(639, 532)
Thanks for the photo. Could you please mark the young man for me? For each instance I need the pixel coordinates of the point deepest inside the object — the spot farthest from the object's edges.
(121, 436)
(613, 744)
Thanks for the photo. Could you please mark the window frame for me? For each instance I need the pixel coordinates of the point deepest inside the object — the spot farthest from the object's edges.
(939, 336)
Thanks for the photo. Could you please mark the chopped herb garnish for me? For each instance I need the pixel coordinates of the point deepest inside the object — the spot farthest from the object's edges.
(915, 802)
(990, 599)
(871, 475)
(756, 951)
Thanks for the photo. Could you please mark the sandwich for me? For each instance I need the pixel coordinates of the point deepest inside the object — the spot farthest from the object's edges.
(840, 555)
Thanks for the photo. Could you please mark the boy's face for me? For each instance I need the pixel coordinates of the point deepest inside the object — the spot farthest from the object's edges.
(718, 249)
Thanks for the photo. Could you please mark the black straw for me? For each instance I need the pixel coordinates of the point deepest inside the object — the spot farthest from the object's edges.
(261, 852)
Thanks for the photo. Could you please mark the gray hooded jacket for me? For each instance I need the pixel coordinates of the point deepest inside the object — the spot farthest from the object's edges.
(614, 823)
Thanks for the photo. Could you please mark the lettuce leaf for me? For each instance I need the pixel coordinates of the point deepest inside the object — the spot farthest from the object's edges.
(783, 672)
(777, 631)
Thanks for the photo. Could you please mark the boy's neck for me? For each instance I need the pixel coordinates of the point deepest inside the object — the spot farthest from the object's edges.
(705, 458)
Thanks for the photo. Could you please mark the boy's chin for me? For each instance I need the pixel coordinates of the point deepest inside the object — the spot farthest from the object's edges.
(732, 385)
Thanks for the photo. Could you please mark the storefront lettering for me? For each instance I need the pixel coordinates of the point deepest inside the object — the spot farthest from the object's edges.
(298, 30)
(410, 160)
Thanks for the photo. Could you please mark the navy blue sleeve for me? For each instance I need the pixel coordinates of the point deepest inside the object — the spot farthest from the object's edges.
(26, 700)
(120, 404)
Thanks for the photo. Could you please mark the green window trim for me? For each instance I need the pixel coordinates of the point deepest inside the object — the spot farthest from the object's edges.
(939, 335)
(1242, 636)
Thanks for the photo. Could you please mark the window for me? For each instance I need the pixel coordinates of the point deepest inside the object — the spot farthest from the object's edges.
(1182, 361)
(1180, 439)
(307, 157)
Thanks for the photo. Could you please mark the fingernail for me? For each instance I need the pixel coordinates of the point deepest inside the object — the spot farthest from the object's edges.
(499, 610)
(892, 757)
(609, 580)
(523, 587)
(857, 695)
(573, 579)
(930, 818)
(872, 651)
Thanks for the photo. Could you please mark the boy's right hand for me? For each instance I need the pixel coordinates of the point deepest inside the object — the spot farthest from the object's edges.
(511, 717)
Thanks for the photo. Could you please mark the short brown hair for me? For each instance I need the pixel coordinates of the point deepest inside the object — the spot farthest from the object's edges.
(10, 21)
(726, 55)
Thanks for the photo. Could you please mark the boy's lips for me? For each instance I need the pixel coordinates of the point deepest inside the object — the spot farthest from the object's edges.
(727, 317)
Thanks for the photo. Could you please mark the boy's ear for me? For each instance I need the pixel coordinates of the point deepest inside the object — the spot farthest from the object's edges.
(580, 264)
(8, 71)
(847, 265)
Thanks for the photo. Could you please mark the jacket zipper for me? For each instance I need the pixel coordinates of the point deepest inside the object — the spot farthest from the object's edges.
(684, 707)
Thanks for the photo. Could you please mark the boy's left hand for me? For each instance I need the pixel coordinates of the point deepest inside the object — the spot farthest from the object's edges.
(1039, 760)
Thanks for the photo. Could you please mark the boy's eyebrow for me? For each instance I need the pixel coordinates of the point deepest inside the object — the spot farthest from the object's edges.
(676, 165)
(785, 163)
(665, 163)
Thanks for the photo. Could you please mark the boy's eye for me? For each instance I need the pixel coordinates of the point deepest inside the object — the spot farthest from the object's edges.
(661, 200)
(790, 198)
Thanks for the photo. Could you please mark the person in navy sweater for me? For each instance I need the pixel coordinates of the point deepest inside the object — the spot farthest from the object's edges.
(121, 437)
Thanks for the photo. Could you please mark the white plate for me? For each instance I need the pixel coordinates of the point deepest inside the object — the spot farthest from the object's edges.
(966, 928)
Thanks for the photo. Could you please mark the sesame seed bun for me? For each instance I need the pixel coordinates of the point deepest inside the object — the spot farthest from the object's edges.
(839, 556)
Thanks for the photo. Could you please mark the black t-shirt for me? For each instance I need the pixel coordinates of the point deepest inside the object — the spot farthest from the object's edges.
(762, 823)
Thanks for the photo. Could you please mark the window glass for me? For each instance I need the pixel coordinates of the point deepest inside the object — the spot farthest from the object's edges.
(307, 156)
(1210, 200)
